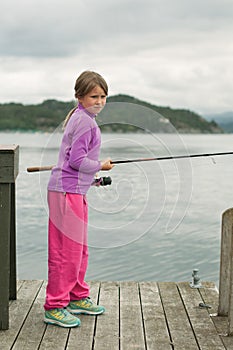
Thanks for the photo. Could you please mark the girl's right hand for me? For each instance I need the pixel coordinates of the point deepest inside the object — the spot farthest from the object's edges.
(106, 164)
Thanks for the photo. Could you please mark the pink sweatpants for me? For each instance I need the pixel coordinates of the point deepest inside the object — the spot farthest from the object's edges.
(68, 250)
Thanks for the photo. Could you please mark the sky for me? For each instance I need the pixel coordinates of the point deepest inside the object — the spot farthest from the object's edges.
(176, 53)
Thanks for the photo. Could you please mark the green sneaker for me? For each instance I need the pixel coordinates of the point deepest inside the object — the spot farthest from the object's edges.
(62, 318)
(85, 306)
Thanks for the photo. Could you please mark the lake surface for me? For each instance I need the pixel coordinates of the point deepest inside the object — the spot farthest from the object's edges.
(157, 221)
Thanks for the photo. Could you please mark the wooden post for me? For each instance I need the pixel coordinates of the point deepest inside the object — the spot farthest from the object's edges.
(9, 167)
(226, 270)
(13, 272)
(225, 262)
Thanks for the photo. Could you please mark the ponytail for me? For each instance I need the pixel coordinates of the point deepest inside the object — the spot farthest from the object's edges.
(67, 118)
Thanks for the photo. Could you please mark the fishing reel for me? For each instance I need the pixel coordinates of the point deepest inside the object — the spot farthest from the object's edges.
(102, 181)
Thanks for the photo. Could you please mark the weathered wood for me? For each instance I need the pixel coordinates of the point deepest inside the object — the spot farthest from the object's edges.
(210, 296)
(9, 163)
(200, 320)
(13, 273)
(179, 326)
(33, 328)
(4, 254)
(225, 278)
(107, 326)
(82, 338)
(55, 338)
(18, 285)
(18, 312)
(131, 326)
(149, 316)
(157, 335)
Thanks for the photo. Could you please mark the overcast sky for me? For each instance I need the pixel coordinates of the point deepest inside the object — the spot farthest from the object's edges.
(176, 53)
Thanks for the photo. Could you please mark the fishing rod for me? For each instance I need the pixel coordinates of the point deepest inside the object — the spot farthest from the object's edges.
(45, 168)
(171, 157)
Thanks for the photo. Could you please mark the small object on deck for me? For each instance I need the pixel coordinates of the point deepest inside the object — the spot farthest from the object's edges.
(196, 281)
(204, 306)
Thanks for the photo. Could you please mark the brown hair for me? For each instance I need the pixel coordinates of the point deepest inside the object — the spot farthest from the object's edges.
(87, 81)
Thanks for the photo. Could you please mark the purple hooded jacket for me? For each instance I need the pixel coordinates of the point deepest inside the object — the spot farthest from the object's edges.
(78, 159)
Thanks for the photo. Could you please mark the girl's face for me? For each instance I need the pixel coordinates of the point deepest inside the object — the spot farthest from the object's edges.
(94, 101)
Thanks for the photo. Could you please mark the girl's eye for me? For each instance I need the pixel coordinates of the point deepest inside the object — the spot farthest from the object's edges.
(94, 96)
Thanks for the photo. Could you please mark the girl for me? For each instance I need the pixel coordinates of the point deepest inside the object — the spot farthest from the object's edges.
(67, 293)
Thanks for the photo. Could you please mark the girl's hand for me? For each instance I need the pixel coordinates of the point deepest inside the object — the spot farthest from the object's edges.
(106, 164)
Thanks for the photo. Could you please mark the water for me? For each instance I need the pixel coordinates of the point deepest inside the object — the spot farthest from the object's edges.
(157, 221)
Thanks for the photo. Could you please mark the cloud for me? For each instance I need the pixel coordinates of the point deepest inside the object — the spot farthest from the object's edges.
(51, 28)
(176, 53)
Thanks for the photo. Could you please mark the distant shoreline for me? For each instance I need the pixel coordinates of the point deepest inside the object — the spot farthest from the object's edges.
(127, 115)
(30, 131)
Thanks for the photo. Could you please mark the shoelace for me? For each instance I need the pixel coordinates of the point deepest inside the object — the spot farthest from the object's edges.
(65, 312)
(88, 300)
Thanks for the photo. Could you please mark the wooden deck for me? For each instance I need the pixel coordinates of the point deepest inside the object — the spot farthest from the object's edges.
(144, 315)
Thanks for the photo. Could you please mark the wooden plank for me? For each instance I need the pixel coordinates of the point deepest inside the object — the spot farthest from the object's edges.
(179, 302)
(157, 335)
(131, 326)
(32, 331)
(19, 284)
(81, 338)
(107, 327)
(204, 329)
(12, 281)
(18, 311)
(210, 296)
(181, 332)
(225, 279)
(55, 337)
(5, 198)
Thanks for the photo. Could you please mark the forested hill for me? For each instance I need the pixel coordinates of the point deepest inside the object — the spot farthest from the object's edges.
(117, 117)
(224, 120)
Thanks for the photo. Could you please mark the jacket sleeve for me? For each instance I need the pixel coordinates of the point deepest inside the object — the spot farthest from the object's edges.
(85, 148)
